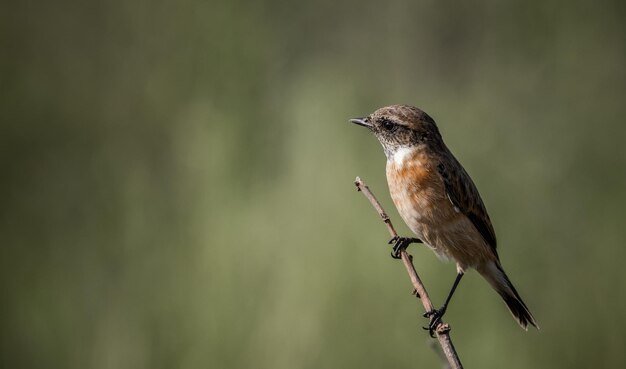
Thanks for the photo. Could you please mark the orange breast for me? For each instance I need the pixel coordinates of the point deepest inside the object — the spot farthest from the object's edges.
(420, 196)
(417, 190)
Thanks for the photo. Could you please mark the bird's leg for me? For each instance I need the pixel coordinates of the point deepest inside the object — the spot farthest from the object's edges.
(401, 243)
(436, 315)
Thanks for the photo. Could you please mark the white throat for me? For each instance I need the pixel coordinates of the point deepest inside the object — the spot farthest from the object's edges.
(401, 155)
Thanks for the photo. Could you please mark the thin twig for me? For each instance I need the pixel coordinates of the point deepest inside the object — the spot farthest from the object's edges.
(443, 329)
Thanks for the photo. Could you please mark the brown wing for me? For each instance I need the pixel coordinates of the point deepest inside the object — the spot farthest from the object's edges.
(465, 197)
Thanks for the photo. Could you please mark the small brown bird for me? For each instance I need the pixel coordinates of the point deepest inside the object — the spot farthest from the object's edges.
(439, 202)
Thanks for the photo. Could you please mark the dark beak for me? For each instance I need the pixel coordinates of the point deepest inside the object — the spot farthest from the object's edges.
(362, 122)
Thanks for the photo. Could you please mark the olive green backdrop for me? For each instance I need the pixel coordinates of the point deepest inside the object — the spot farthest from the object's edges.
(177, 192)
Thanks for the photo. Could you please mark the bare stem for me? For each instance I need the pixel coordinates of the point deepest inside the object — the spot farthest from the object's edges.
(443, 329)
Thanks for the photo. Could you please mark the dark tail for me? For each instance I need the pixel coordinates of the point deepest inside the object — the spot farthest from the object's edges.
(494, 274)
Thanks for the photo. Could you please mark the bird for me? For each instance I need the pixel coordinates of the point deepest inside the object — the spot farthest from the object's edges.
(440, 204)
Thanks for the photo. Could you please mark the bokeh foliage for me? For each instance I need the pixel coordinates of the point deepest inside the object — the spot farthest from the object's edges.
(177, 181)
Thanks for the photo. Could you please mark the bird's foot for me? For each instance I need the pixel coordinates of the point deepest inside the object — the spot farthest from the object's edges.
(435, 319)
(401, 243)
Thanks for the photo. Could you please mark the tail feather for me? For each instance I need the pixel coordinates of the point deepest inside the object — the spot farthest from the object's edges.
(494, 274)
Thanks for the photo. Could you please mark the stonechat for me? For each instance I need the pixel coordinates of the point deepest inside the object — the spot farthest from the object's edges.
(439, 202)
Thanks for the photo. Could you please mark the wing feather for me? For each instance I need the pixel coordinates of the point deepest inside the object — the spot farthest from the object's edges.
(465, 198)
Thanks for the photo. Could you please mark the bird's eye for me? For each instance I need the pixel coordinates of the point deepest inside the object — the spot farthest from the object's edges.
(388, 125)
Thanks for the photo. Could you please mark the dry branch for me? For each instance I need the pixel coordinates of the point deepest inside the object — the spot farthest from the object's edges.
(443, 330)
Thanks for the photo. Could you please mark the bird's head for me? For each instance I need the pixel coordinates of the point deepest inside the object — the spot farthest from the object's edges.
(401, 126)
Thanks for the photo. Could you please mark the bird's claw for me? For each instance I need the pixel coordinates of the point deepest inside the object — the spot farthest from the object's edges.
(401, 243)
(435, 319)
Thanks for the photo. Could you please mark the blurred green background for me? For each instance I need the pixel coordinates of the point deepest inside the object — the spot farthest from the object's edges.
(177, 181)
